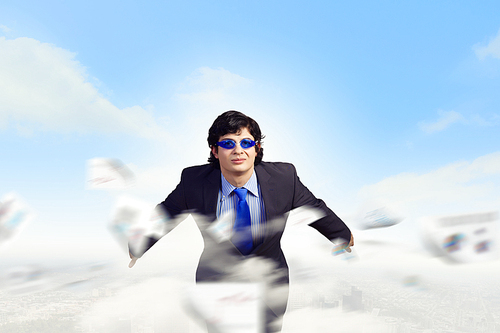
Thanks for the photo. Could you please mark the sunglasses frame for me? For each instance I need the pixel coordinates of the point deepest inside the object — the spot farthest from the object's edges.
(222, 143)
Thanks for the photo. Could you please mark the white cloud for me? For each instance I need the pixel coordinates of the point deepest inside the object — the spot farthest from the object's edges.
(43, 87)
(446, 118)
(492, 49)
(455, 188)
(5, 29)
(216, 90)
(478, 120)
(209, 84)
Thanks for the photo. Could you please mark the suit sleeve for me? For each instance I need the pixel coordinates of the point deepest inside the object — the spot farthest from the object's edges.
(175, 203)
(330, 226)
(171, 208)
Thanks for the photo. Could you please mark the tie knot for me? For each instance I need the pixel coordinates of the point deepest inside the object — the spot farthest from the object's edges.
(241, 193)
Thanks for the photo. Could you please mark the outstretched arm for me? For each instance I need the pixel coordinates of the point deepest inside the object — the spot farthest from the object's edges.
(168, 214)
(330, 226)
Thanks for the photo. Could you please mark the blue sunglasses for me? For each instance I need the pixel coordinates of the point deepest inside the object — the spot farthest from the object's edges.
(230, 144)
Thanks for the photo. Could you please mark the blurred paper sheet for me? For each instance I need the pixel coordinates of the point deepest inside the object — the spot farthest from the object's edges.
(462, 238)
(228, 307)
(108, 173)
(376, 214)
(133, 221)
(14, 215)
(304, 215)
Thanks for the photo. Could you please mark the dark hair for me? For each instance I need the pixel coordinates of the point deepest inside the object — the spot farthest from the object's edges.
(232, 122)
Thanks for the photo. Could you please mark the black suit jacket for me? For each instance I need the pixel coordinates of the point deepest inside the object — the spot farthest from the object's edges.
(281, 190)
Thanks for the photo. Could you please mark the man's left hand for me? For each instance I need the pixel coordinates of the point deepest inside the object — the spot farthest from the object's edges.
(351, 243)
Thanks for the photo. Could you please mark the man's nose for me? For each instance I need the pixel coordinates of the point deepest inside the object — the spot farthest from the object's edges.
(238, 149)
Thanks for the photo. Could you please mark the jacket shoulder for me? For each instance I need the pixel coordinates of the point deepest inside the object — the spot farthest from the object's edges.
(277, 167)
(198, 168)
(198, 171)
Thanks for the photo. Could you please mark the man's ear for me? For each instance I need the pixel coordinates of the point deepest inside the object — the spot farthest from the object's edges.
(257, 147)
(214, 151)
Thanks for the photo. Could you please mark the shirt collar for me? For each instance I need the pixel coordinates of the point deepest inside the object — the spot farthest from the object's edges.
(251, 185)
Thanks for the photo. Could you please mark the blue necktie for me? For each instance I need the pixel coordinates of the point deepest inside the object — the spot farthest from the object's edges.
(242, 232)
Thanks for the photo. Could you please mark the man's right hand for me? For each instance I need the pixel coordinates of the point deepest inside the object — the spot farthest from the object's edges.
(132, 262)
(348, 247)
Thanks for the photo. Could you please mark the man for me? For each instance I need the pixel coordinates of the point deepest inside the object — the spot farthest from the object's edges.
(256, 197)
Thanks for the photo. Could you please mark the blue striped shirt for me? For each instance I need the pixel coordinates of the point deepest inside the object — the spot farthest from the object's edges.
(227, 203)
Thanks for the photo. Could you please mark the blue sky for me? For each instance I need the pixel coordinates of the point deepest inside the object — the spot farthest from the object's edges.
(386, 100)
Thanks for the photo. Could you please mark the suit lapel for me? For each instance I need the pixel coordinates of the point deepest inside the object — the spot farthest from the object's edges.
(211, 188)
(274, 224)
(268, 188)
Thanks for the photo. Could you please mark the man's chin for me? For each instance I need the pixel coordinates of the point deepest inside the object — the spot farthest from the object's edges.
(238, 170)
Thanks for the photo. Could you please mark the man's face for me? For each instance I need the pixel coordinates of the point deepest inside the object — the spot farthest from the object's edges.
(236, 161)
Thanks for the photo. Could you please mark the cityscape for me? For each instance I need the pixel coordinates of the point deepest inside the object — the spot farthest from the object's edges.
(371, 302)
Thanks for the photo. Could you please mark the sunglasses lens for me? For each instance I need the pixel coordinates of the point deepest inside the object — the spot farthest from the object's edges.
(230, 144)
(247, 143)
(227, 144)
